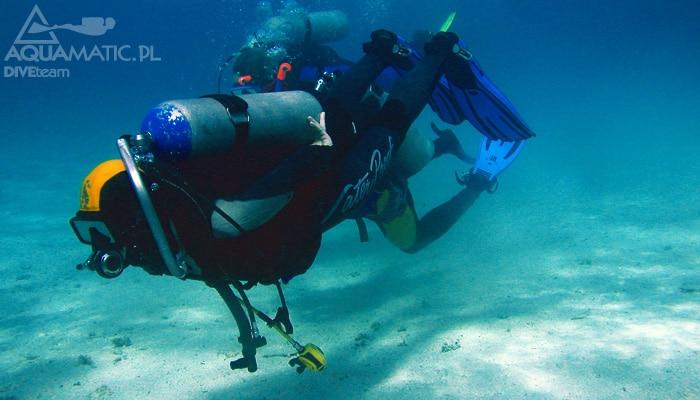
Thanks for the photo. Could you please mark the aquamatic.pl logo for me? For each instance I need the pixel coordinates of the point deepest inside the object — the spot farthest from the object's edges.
(36, 44)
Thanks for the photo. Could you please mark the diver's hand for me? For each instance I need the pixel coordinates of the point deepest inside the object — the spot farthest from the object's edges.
(323, 138)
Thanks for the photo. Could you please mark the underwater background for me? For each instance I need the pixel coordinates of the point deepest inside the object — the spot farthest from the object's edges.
(579, 278)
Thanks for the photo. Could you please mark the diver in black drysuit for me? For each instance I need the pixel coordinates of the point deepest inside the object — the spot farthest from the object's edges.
(331, 183)
(319, 185)
(412, 93)
(347, 103)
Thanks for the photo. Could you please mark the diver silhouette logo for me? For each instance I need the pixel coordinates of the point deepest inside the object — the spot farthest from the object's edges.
(36, 43)
(37, 24)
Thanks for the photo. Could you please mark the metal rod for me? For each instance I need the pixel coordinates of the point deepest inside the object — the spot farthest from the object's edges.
(246, 335)
(149, 211)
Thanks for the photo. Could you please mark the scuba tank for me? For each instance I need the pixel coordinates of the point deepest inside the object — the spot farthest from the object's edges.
(296, 29)
(327, 26)
(182, 129)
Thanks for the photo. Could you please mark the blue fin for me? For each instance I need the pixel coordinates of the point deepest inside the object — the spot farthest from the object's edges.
(494, 157)
(479, 101)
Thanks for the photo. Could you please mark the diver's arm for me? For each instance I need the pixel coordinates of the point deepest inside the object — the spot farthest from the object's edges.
(305, 164)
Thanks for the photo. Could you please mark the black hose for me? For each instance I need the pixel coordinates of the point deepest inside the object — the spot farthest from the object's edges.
(246, 334)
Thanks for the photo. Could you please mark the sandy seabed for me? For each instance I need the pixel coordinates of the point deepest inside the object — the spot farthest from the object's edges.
(548, 297)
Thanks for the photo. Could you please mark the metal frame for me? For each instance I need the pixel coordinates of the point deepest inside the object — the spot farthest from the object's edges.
(179, 271)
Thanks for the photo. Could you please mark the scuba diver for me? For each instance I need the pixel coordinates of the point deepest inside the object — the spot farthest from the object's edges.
(288, 52)
(238, 190)
(277, 59)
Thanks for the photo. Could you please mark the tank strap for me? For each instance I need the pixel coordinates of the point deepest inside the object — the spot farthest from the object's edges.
(237, 109)
(307, 34)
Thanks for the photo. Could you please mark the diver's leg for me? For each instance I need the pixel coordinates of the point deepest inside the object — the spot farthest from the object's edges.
(395, 214)
(411, 92)
(366, 162)
(447, 143)
(440, 219)
(343, 102)
(350, 87)
(493, 158)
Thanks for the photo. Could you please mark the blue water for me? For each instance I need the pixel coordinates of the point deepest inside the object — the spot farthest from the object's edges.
(604, 201)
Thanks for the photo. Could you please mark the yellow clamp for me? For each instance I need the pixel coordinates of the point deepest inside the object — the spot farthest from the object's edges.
(310, 357)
